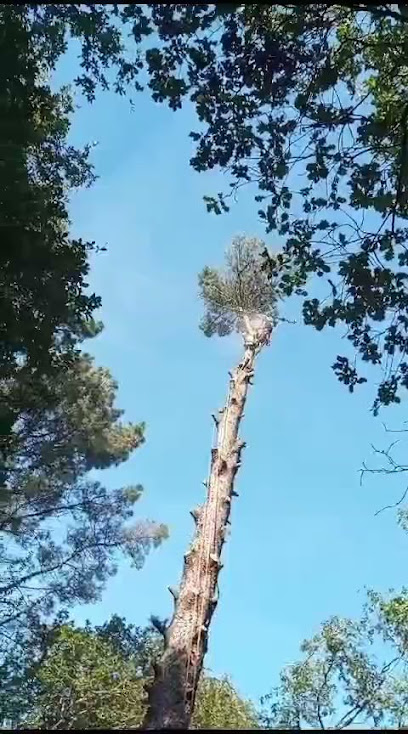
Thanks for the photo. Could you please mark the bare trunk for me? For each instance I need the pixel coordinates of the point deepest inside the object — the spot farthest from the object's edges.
(172, 694)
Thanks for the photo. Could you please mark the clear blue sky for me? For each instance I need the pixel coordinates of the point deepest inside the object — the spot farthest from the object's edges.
(304, 538)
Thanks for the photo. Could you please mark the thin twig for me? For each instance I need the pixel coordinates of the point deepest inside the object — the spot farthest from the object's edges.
(391, 507)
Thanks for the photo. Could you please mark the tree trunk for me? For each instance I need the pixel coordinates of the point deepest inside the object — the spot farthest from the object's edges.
(172, 694)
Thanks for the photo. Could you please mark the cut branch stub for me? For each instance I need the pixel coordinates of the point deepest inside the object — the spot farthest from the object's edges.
(196, 514)
(174, 592)
(188, 556)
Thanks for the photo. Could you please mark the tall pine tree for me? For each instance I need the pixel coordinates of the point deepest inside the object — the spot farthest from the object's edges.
(238, 298)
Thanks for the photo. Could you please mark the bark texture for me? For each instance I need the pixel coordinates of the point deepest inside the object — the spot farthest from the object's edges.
(172, 694)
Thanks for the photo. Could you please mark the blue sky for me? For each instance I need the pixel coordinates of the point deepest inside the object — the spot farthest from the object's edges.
(304, 539)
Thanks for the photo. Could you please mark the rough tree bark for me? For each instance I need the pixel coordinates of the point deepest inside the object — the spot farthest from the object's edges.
(171, 696)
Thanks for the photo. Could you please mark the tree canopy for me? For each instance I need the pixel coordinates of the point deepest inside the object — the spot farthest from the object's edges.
(354, 673)
(218, 706)
(44, 304)
(59, 529)
(94, 677)
(305, 102)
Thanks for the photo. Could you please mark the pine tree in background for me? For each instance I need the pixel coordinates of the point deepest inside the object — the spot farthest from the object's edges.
(241, 299)
(61, 532)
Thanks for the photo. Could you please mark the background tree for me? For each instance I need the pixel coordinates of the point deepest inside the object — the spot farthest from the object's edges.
(60, 531)
(281, 92)
(75, 678)
(219, 706)
(307, 102)
(240, 298)
(86, 684)
(44, 304)
(46, 308)
(354, 673)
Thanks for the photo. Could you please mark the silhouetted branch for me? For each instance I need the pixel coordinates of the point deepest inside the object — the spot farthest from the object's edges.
(394, 467)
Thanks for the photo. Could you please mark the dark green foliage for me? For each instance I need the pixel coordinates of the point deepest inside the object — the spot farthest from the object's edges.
(309, 103)
(60, 531)
(44, 307)
(306, 101)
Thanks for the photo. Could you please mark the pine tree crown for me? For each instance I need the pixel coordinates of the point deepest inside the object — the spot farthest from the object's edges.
(238, 292)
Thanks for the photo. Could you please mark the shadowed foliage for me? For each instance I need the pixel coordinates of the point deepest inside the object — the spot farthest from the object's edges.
(61, 531)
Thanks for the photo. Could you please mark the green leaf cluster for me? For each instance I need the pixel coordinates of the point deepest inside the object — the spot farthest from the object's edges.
(94, 677)
(353, 674)
(308, 103)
